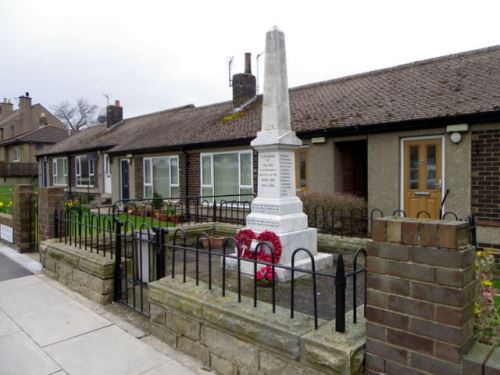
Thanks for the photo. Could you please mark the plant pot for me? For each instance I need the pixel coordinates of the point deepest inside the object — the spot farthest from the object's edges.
(215, 241)
(176, 219)
(163, 217)
(264, 283)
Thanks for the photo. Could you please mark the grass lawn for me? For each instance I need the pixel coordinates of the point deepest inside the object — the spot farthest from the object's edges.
(6, 198)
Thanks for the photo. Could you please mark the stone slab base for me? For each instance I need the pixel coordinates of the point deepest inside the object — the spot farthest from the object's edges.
(321, 260)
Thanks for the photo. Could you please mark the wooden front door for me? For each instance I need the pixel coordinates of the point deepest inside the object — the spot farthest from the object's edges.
(422, 177)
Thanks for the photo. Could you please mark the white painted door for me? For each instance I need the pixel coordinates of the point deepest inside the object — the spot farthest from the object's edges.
(107, 175)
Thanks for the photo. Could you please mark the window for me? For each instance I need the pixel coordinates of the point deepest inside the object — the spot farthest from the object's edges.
(84, 170)
(227, 173)
(301, 170)
(161, 175)
(60, 172)
(16, 153)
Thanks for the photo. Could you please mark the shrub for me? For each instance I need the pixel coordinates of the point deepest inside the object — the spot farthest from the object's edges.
(157, 202)
(336, 213)
(486, 314)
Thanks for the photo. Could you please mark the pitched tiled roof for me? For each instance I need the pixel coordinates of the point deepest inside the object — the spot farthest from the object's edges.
(451, 86)
(48, 134)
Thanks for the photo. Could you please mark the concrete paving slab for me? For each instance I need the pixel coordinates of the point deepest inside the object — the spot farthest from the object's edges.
(10, 269)
(170, 367)
(16, 300)
(20, 355)
(54, 323)
(105, 351)
(19, 283)
(7, 326)
(30, 261)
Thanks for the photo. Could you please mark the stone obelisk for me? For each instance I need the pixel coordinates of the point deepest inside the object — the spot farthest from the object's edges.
(277, 207)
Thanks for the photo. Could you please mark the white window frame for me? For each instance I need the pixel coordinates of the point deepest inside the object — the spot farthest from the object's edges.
(78, 170)
(212, 185)
(65, 171)
(16, 157)
(150, 184)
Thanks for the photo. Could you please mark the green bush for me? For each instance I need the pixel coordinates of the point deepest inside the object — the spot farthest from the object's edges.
(336, 213)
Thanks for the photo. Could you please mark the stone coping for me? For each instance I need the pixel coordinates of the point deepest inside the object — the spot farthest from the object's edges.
(258, 325)
(84, 260)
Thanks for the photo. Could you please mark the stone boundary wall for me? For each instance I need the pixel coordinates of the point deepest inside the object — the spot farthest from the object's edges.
(6, 219)
(420, 297)
(236, 338)
(87, 273)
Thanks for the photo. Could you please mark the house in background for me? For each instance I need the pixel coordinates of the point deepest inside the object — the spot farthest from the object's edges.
(405, 138)
(24, 132)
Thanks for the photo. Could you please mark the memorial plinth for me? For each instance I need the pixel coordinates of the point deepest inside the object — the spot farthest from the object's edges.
(277, 207)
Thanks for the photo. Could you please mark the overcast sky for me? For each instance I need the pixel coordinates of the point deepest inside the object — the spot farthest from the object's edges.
(153, 55)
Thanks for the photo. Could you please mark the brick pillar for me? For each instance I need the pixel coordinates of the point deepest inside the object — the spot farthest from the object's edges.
(23, 217)
(420, 296)
(50, 199)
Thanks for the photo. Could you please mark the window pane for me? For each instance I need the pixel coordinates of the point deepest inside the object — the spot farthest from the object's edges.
(207, 191)
(206, 175)
(226, 175)
(413, 167)
(147, 171)
(431, 166)
(175, 192)
(246, 169)
(148, 192)
(302, 171)
(247, 192)
(174, 171)
(161, 184)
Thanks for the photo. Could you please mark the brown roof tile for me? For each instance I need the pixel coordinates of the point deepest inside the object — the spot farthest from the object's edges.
(455, 85)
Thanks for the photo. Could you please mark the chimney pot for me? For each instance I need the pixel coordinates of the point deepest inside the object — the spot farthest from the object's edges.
(27, 94)
(117, 103)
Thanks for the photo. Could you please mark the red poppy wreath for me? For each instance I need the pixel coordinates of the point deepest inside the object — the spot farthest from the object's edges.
(245, 238)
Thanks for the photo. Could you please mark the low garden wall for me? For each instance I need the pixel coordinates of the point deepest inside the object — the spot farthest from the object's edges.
(236, 338)
(88, 273)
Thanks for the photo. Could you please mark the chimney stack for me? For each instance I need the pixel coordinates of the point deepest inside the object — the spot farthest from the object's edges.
(26, 113)
(244, 84)
(6, 108)
(114, 114)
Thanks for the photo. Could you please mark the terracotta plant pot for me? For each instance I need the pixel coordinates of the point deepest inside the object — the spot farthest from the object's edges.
(215, 241)
(176, 219)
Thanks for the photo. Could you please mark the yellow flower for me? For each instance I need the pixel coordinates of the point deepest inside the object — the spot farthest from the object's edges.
(477, 309)
(1, 204)
(487, 283)
(480, 254)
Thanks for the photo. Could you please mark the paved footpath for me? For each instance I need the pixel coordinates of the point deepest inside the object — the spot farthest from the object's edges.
(45, 331)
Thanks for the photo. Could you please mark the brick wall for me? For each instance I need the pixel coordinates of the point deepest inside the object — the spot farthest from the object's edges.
(50, 199)
(420, 293)
(23, 217)
(139, 175)
(486, 175)
(193, 188)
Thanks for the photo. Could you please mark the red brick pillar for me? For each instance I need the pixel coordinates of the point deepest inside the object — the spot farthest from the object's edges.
(50, 199)
(420, 296)
(23, 217)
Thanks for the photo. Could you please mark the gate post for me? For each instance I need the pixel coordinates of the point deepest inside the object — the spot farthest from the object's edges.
(51, 199)
(23, 217)
(118, 260)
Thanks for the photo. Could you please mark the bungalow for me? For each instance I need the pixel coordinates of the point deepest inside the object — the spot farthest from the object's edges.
(416, 137)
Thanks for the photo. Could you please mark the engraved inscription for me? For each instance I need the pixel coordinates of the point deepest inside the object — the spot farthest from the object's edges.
(286, 164)
(261, 222)
(268, 170)
(265, 208)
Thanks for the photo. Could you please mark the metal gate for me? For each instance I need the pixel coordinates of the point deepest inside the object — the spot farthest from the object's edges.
(33, 230)
(139, 260)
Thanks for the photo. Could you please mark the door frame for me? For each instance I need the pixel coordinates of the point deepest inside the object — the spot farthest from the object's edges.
(104, 157)
(121, 178)
(402, 165)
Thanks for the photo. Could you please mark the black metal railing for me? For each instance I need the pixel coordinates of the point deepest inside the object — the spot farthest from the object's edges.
(357, 222)
(338, 279)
